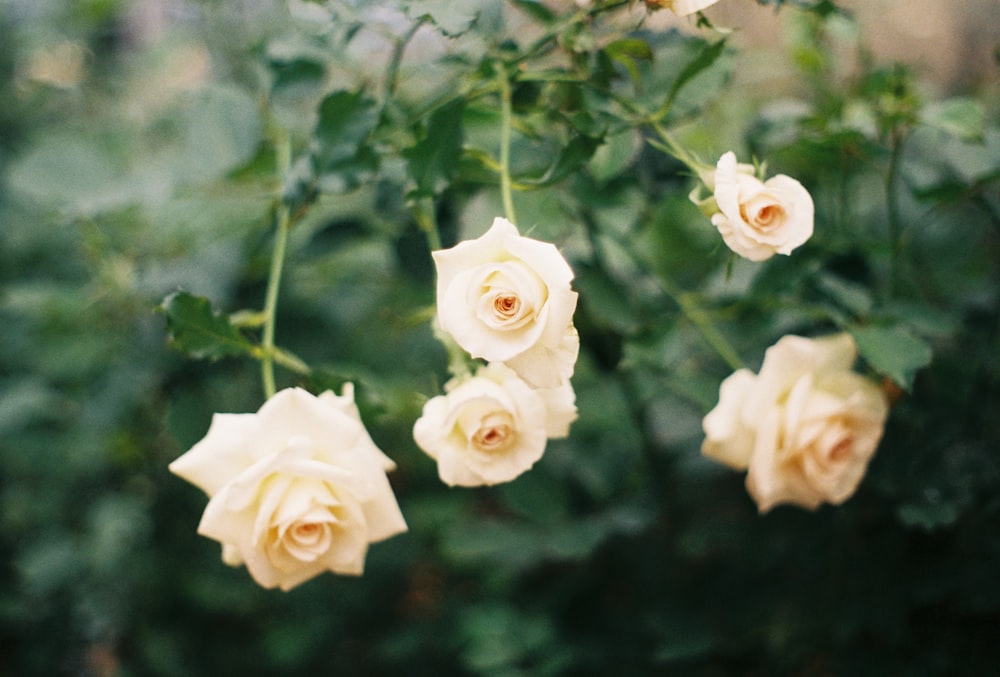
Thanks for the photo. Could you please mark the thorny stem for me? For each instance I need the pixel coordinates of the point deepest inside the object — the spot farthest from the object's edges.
(283, 223)
(505, 129)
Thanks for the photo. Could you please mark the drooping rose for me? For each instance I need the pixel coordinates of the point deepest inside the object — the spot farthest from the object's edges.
(507, 298)
(680, 7)
(804, 428)
(758, 219)
(492, 427)
(296, 489)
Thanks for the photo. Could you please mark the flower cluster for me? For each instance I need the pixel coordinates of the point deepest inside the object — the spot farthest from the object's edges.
(506, 299)
(300, 488)
(804, 428)
(294, 490)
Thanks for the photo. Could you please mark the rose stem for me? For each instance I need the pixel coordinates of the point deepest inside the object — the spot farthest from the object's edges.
(283, 152)
(505, 124)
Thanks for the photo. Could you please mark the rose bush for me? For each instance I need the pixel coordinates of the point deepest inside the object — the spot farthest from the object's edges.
(758, 219)
(507, 298)
(492, 427)
(804, 428)
(296, 489)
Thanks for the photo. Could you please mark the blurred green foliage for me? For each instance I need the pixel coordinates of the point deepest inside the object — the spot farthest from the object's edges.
(137, 154)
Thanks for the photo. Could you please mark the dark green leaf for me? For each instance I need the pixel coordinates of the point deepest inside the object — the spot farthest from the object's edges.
(346, 119)
(708, 55)
(200, 331)
(570, 159)
(434, 158)
(536, 11)
(893, 351)
(626, 51)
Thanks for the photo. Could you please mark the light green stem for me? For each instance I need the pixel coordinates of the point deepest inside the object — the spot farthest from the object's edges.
(283, 222)
(700, 319)
(423, 212)
(679, 152)
(506, 190)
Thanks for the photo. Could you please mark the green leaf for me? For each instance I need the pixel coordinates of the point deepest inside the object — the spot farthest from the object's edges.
(851, 296)
(615, 155)
(222, 130)
(433, 159)
(536, 11)
(626, 51)
(570, 158)
(452, 18)
(200, 331)
(963, 118)
(708, 55)
(73, 171)
(341, 151)
(893, 351)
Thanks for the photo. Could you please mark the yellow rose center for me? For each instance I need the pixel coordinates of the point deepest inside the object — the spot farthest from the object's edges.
(763, 213)
(495, 432)
(506, 306)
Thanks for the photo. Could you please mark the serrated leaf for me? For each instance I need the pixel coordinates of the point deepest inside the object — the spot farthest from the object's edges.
(452, 18)
(963, 118)
(433, 160)
(201, 332)
(893, 351)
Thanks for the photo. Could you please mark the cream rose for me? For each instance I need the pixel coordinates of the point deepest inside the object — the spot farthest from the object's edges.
(507, 298)
(804, 428)
(680, 7)
(297, 489)
(760, 219)
(492, 427)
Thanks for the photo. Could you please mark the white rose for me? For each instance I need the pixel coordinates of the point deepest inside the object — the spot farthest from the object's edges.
(680, 7)
(297, 489)
(759, 219)
(804, 428)
(492, 427)
(507, 298)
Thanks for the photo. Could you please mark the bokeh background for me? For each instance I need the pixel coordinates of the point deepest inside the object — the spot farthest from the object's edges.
(133, 163)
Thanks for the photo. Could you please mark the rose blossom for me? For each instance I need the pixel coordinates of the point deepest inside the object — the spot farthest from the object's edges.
(759, 219)
(804, 428)
(491, 427)
(680, 7)
(507, 298)
(294, 490)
